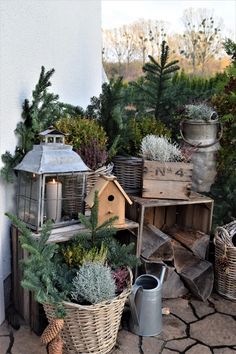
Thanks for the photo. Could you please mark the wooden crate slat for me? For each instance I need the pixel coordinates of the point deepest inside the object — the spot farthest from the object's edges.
(149, 216)
(160, 217)
(168, 171)
(170, 215)
(165, 189)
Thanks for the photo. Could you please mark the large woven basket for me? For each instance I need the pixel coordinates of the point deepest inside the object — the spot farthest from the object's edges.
(93, 328)
(129, 173)
(225, 260)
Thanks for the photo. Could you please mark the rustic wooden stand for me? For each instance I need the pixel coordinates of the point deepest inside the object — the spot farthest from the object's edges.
(195, 213)
(23, 299)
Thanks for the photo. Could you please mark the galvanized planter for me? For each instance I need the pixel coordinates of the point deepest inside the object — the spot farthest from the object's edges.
(205, 136)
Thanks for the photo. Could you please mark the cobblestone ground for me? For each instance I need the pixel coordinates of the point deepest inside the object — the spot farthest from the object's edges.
(192, 327)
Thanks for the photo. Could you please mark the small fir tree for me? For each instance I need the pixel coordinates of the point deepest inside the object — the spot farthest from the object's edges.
(98, 235)
(157, 79)
(37, 116)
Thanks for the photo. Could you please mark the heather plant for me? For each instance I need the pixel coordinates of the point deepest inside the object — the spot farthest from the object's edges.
(87, 137)
(93, 154)
(160, 148)
(121, 276)
(93, 283)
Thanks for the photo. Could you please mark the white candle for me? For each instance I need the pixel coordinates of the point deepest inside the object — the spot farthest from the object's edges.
(54, 200)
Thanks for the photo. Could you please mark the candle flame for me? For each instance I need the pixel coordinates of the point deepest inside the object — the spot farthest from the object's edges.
(53, 181)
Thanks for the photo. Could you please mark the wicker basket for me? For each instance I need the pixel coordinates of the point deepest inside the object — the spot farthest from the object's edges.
(73, 194)
(225, 261)
(91, 329)
(92, 177)
(129, 173)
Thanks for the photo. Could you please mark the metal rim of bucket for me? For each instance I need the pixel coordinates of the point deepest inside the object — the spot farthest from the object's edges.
(220, 134)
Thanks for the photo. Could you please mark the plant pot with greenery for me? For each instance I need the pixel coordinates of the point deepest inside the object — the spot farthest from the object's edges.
(83, 284)
(201, 129)
(167, 171)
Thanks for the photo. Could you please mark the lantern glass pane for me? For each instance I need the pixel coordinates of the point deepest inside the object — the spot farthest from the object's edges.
(28, 198)
(64, 197)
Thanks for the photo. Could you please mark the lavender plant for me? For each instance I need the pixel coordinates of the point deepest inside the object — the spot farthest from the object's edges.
(160, 148)
(93, 283)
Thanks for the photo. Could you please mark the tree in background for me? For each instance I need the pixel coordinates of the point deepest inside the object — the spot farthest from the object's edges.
(199, 50)
(132, 44)
(201, 40)
(113, 46)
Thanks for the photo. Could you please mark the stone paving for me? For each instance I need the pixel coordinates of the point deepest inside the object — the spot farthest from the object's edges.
(192, 327)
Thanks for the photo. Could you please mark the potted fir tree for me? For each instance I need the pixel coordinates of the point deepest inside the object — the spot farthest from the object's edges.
(83, 284)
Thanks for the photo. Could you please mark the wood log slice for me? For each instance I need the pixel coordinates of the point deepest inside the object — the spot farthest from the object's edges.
(156, 244)
(196, 273)
(195, 240)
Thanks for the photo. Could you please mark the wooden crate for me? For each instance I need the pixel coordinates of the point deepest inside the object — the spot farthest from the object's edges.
(195, 216)
(195, 213)
(169, 180)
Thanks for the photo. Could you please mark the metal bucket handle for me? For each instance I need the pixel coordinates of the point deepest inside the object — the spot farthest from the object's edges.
(200, 144)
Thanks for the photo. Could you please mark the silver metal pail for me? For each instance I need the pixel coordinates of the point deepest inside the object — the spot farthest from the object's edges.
(145, 305)
(205, 137)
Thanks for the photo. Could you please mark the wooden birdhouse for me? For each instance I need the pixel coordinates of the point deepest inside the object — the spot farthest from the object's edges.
(111, 198)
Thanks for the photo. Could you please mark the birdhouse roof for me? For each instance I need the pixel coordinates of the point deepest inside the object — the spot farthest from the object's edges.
(100, 186)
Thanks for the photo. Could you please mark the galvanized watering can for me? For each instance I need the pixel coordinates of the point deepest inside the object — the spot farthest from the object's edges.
(145, 305)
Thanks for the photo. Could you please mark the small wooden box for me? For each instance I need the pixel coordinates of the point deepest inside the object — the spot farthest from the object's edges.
(167, 180)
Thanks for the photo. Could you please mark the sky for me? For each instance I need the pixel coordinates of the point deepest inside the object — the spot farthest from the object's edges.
(116, 13)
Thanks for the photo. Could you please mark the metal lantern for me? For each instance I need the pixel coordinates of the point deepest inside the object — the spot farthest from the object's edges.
(51, 183)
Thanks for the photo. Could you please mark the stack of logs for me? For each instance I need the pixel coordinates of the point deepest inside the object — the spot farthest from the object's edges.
(183, 251)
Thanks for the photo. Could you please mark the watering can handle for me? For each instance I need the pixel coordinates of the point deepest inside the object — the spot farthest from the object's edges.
(200, 145)
(132, 297)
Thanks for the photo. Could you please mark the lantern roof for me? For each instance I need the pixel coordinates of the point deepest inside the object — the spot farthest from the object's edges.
(52, 131)
(52, 158)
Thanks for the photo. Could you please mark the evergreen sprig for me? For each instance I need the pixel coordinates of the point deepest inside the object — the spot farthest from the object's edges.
(118, 255)
(43, 273)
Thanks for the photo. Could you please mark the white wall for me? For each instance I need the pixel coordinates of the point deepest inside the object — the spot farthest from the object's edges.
(60, 34)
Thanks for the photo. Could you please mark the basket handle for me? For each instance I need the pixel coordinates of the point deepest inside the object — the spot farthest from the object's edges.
(200, 144)
(224, 236)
